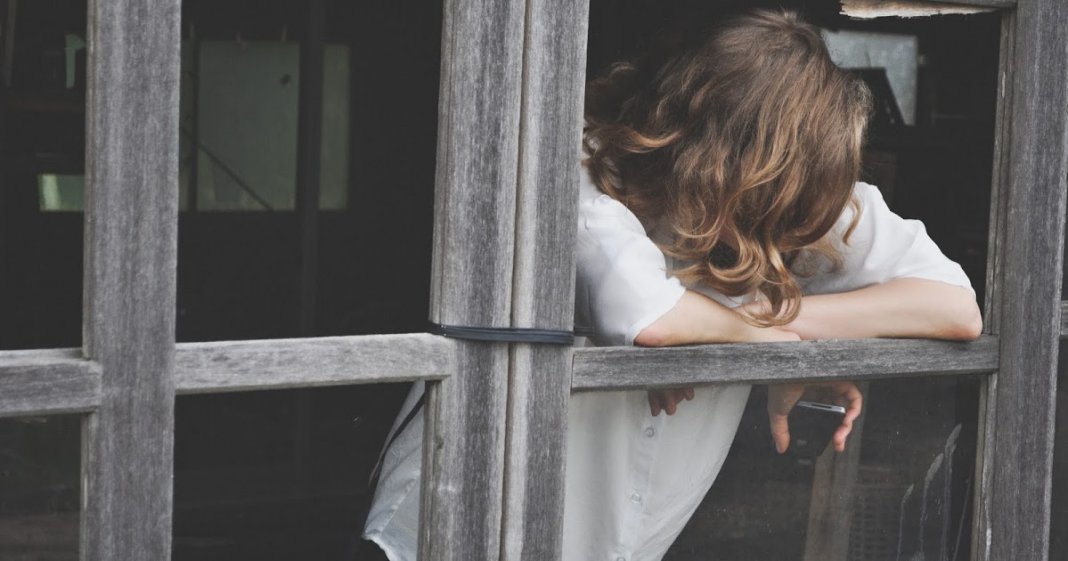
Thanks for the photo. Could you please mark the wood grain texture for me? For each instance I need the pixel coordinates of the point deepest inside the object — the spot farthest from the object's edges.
(1031, 255)
(992, 312)
(539, 387)
(47, 382)
(301, 363)
(131, 216)
(474, 236)
(616, 368)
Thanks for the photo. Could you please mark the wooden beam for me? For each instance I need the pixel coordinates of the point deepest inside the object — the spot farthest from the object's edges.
(47, 382)
(1019, 458)
(131, 219)
(618, 368)
(474, 227)
(984, 462)
(539, 386)
(229, 366)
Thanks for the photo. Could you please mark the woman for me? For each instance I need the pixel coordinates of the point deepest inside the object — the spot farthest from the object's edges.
(718, 203)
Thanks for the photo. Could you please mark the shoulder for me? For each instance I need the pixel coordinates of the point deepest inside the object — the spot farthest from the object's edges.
(598, 210)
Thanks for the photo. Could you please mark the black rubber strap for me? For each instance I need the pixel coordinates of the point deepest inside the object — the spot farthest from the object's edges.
(505, 334)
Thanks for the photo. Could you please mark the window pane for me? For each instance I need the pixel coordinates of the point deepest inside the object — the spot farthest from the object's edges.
(40, 488)
(902, 490)
(1059, 513)
(261, 475)
(240, 274)
(42, 167)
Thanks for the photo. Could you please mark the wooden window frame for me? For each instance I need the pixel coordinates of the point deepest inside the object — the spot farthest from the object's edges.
(509, 122)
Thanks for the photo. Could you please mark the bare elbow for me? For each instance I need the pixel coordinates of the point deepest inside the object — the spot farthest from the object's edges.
(654, 335)
(968, 323)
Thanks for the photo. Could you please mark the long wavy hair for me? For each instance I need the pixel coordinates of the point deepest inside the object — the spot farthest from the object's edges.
(743, 148)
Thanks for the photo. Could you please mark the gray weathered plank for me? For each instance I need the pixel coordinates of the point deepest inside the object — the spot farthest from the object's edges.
(554, 70)
(131, 217)
(47, 382)
(616, 368)
(227, 366)
(1031, 255)
(474, 222)
(992, 312)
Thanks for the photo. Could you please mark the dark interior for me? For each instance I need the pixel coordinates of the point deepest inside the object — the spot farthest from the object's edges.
(281, 474)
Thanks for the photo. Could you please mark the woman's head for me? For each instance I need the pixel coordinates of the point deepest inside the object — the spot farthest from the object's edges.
(746, 147)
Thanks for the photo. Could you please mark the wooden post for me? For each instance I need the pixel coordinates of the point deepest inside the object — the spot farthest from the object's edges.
(131, 217)
(474, 227)
(1014, 522)
(554, 71)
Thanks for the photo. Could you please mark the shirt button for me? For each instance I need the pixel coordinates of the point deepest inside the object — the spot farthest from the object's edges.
(635, 498)
(650, 431)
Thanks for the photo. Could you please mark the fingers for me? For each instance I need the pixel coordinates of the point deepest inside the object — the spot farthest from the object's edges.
(667, 400)
(780, 431)
(848, 396)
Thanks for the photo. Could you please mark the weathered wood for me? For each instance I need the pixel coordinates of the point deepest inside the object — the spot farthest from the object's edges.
(228, 366)
(554, 71)
(131, 217)
(1031, 256)
(992, 313)
(47, 382)
(636, 367)
(474, 222)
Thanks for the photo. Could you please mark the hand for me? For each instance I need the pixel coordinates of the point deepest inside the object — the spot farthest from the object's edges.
(783, 397)
(668, 400)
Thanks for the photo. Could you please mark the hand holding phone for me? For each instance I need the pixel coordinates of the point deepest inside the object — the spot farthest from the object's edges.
(783, 397)
(812, 426)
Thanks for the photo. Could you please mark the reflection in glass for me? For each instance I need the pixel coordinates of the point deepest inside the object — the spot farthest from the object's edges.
(902, 489)
(239, 109)
(1058, 532)
(39, 488)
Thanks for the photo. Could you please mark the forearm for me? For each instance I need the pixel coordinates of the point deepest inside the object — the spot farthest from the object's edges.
(697, 319)
(906, 307)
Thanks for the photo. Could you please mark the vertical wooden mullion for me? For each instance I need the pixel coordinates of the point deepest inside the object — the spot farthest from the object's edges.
(474, 228)
(984, 464)
(1014, 524)
(131, 215)
(554, 69)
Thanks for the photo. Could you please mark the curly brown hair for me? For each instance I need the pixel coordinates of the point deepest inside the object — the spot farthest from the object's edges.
(745, 148)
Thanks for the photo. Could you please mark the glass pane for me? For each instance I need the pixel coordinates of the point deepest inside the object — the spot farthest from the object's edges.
(240, 274)
(42, 166)
(40, 460)
(1058, 532)
(902, 490)
(279, 474)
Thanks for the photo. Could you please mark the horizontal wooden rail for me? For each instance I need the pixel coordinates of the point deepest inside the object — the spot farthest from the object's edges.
(617, 368)
(228, 366)
(1000, 4)
(47, 382)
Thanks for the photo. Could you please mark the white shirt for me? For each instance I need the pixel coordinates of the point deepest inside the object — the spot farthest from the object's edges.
(633, 480)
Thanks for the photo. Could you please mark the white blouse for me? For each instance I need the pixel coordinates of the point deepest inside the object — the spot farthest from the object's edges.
(633, 480)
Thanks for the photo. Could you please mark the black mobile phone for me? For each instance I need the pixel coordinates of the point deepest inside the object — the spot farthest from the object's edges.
(812, 426)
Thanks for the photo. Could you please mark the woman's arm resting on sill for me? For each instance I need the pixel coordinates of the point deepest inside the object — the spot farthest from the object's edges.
(697, 319)
(903, 307)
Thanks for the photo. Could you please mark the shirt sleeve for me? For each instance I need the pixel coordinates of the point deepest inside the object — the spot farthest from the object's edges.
(883, 247)
(622, 284)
